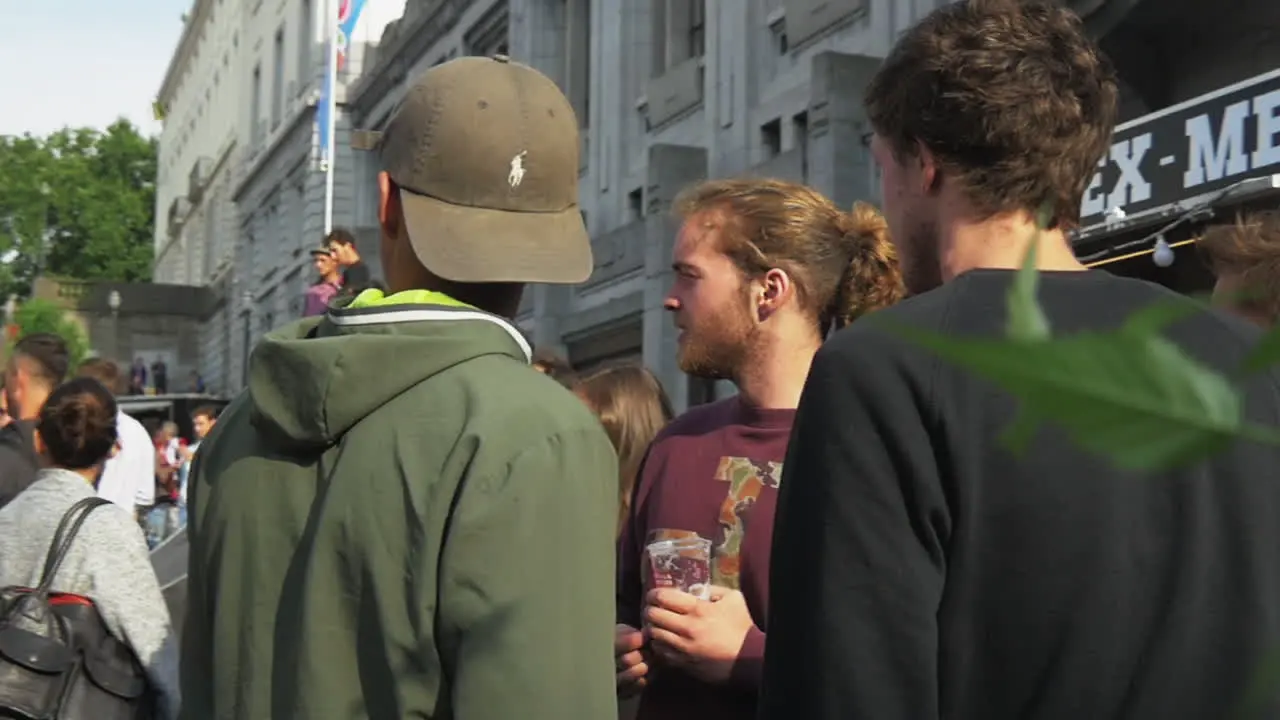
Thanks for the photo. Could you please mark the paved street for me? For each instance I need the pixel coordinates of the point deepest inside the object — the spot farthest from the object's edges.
(170, 563)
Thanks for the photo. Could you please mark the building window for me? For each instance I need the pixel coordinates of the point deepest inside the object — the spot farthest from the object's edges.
(255, 105)
(771, 138)
(635, 205)
(679, 32)
(778, 31)
(277, 79)
(578, 29)
(305, 22)
(697, 34)
(489, 35)
(800, 126)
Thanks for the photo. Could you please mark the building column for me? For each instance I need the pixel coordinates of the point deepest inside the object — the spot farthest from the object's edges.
(536, 35)
(671, 168)
(839, 161)
(550, 305)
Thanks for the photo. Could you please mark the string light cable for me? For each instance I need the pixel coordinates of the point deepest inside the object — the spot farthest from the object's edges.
(1187, 212)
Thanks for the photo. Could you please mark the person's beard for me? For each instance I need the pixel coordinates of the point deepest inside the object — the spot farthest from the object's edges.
(918, 256)
(717, 346)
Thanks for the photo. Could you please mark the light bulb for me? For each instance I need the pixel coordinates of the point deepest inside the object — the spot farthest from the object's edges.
(1162, 255)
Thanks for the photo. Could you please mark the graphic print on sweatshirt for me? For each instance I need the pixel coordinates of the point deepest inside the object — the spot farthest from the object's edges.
(747, 478)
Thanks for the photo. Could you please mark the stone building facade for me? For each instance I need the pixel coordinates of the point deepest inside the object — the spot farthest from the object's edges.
(150, 321)
(200, 152)
(667, 92)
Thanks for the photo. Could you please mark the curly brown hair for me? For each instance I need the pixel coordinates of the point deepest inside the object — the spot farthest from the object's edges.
(843, 264)
(1249, 251)
(1013, 100)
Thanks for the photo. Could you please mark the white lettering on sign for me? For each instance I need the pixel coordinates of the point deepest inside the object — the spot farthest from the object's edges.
(1205, 144)
(1131, 186)
(1266, 107)
(1211, 159)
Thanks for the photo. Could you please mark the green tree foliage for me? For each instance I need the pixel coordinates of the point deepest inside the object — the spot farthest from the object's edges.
(77, 204)
(43, 316)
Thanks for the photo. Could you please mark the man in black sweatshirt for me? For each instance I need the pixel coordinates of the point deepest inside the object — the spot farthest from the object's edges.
(37, 364)
(921, 570)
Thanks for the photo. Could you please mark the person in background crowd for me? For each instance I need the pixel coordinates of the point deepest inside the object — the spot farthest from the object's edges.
(764, 268)
(924, 569)
(202, 421)
(555, 366)
(5, 418)
(37, 364)
(138, 377)
(160, 376)
(129, 477)
(195, 382)
(633, 407)
(107, 561)
(458, 553)
(166, 460)
(327, 284)
(1245, 257)
(356, 277)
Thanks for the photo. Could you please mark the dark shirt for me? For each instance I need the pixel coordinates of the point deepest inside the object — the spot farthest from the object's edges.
(18, 461)
(714, 471)
(356, 278)
(924, 571)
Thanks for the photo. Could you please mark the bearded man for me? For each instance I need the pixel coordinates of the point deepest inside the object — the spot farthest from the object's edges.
(762, 269)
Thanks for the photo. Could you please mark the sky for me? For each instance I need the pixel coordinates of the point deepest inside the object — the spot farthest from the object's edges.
(84, 62)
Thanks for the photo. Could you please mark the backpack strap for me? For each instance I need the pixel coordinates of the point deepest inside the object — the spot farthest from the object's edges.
(68, 527)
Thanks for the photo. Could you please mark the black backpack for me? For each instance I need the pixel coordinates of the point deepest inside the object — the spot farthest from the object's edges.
(58, 661)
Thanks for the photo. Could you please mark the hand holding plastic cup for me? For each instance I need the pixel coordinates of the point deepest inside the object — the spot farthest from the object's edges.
(683, 563)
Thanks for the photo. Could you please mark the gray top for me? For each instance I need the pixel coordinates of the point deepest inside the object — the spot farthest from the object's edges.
(107, 563)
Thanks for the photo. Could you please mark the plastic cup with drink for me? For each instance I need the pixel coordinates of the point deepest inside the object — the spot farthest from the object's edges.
(681, 562)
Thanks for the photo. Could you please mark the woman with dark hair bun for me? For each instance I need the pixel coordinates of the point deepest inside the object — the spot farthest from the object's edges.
(107, 561)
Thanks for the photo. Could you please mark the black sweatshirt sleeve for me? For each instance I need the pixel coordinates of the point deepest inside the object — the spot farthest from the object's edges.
(857, 568)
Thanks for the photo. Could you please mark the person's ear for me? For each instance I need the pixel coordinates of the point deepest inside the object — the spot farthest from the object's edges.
(37, 440)
(930, 173)
(388, 205)
(772, 292)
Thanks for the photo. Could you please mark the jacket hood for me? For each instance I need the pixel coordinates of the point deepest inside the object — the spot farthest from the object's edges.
(310, 381)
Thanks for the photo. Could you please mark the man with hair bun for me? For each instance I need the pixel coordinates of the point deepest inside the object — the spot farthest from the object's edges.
(763, 269)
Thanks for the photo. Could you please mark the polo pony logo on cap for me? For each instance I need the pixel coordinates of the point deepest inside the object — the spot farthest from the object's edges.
(516, 176)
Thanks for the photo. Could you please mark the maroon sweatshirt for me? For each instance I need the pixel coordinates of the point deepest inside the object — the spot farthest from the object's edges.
(713, 471)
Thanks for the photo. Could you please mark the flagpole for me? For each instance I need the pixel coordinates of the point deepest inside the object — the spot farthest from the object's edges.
(331, 81)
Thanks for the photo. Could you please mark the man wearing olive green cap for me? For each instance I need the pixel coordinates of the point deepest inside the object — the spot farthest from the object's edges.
(400, 517)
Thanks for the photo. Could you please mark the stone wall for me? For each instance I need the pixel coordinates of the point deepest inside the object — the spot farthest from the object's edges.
(152, 321)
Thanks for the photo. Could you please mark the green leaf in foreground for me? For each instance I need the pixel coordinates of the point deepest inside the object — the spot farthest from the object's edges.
(1130, 396)
(1027, 320)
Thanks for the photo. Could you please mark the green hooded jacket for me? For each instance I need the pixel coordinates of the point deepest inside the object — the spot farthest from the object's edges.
(401, 519)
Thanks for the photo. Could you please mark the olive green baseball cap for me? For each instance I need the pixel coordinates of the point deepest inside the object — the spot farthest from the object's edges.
(485, 152)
